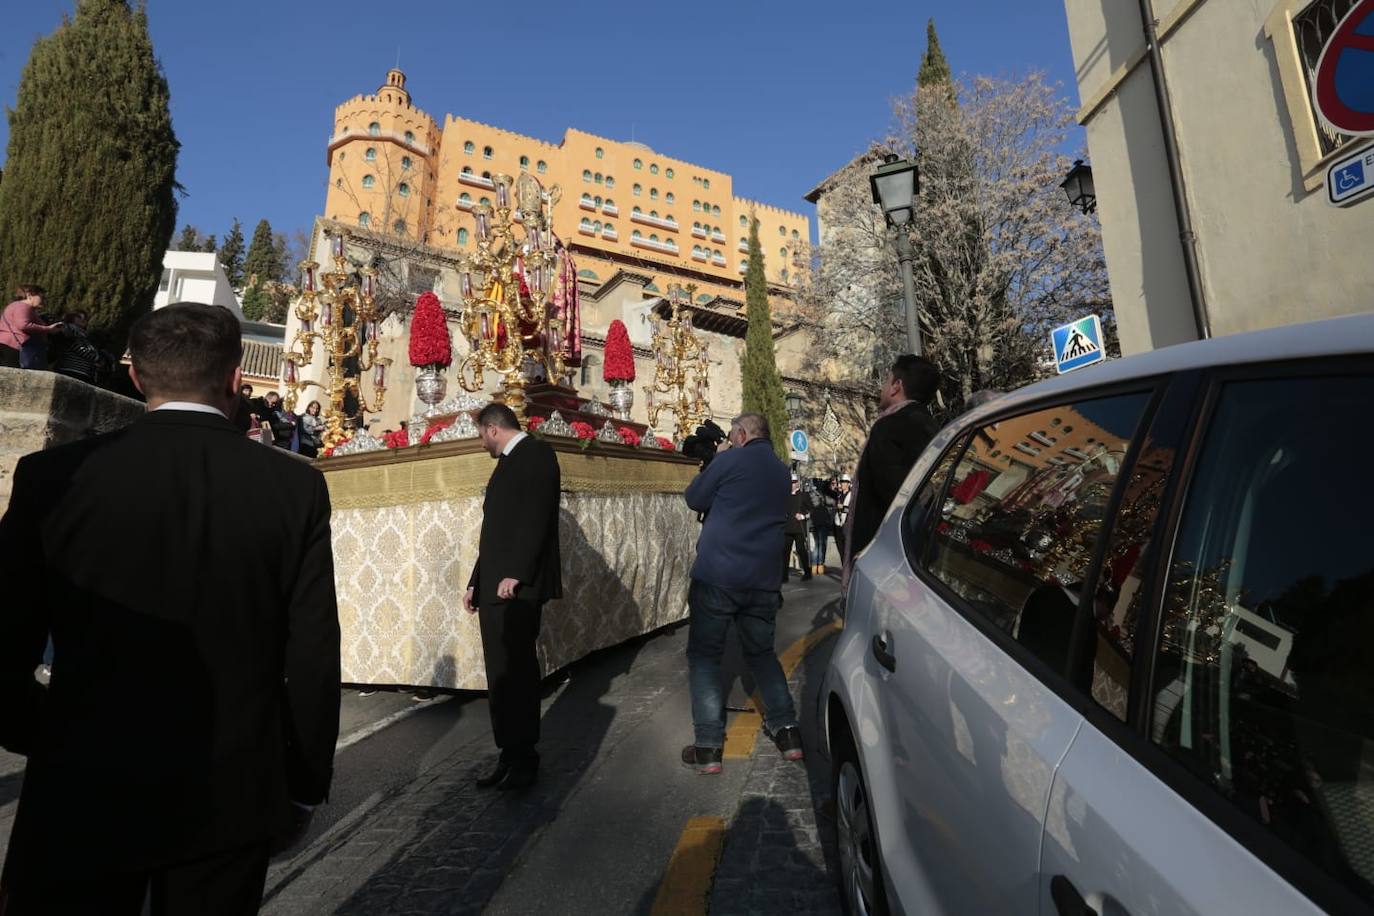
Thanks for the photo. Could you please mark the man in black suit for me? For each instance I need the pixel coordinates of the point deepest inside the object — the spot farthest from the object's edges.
(518, 569)
(193, 708)
(903, 429)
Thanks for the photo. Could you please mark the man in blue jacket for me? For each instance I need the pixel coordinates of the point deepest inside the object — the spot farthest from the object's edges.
(736, 578)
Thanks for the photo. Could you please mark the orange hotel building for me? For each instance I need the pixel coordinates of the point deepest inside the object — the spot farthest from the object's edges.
(393, 169)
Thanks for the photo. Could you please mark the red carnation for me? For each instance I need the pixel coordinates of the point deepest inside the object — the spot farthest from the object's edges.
(429, 343)
(432, 429)
(534, 423)
(620, 359)
(628, 436)
(666, 444)
(396, 439)
(583, 430)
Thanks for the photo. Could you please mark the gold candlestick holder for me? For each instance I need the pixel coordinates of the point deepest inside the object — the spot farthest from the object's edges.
(344, 319)
(507, 288)
(682, 368)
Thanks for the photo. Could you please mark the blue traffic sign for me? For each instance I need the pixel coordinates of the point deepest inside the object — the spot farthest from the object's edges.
(1078, 344)
(1351, 178)
(1343, 82)
(800, 441)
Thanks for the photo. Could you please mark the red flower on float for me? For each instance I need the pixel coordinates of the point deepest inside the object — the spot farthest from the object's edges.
(396, 439)
(429, 340)
(666, 444)
(628, 436)
(534, 423)
(432, 429)
(583, 430)
(620, 359)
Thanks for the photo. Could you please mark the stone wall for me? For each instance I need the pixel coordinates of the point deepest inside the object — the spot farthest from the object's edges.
(41, 409)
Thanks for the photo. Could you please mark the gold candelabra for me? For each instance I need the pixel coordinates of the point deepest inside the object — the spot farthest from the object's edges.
(344, 318)
(681, 368)
(507, 288)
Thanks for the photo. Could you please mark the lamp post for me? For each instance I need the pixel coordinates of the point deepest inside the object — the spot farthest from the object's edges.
(1078, 185)
(894, 187)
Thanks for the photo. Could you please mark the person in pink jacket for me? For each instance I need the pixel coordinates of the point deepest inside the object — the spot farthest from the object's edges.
(23, 338)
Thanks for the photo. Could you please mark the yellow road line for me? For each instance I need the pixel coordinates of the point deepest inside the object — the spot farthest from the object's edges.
(686, 884)
(741, 736)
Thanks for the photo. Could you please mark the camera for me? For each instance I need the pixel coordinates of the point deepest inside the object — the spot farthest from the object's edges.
(702, 444)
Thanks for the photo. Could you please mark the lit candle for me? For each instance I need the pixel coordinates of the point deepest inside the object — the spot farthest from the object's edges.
(309, 270)
(502, 194)
(555, 334)
(327, 315)
(288, 370)
(652, 400)
(379, 375)
(536, 278)
(483, 226)
(465, 283)
(338, 246)
(486, 324)
(308, 326)
(369, 283)
(534, 237)
(370, 331)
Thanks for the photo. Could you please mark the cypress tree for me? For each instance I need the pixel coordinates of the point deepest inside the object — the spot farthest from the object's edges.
(759, 368)
(231, 255)
(261, 264)
(188, 240)
(934, 68)
(87, 203)
(210, 246)
(281, 250)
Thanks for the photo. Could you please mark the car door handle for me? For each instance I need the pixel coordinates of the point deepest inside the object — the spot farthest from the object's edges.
(882, 653)
(1067, 900)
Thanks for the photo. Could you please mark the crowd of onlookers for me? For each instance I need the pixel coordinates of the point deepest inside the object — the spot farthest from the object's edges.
(31, 339)
(818, 512)
(268, 420)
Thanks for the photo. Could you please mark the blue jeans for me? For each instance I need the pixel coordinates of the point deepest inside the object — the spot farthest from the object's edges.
(754, 612)
(820, 538)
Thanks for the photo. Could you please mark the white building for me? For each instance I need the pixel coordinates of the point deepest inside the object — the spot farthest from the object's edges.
(1251, 161)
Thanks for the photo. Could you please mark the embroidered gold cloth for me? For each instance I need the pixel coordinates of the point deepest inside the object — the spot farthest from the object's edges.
(405, 538)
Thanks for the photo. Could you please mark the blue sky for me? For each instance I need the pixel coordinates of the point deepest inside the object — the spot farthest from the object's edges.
(777, 94)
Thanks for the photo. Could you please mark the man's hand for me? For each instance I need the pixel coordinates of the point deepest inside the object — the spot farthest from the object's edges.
(467, 602)
(506, 589)
(723, 446)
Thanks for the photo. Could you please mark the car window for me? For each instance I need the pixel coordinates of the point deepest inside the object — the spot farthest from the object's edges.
(1017, 530)
(1264, 676)
(919, 511)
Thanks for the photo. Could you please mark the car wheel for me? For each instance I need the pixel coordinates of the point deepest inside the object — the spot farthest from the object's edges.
(861, 873)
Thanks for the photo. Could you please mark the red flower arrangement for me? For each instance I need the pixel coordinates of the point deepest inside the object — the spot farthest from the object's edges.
(396, 439)
(978, 546)
(628, 436)
(534, 423)
(432, 429)
(620, 359)
(583, 430)
(666, 444)
(429, 341)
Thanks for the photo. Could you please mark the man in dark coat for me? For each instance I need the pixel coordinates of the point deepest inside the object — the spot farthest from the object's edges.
(193, 708)
(794, 531)
(518, 569)
(903, 429)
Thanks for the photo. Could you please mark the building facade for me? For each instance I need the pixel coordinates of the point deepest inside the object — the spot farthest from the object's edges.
(1252, 159)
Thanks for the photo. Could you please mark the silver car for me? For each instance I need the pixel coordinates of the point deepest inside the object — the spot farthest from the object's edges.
(1112, 650)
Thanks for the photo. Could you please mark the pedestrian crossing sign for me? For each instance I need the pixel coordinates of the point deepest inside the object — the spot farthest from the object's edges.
(1078, 344)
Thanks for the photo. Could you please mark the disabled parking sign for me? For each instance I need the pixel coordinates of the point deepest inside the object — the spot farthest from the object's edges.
(1351, 178)
(1078, 344)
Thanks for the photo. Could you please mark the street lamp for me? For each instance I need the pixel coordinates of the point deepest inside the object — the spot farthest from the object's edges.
(794, 404)
(1078, 185)
(894, 186)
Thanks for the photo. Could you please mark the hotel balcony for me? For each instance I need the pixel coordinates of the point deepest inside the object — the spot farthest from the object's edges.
(587, 203)
(743, 267)
(669, 247)
(655, 221)
(465, 204)
(586, 229)
(477, 181)
(718, 236)
(718, 260)
(698, 256)
(610, 209)
(744, 247)
(610, 233)
(698, 232)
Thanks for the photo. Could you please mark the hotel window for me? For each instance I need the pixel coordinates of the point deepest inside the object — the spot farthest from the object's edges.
(541, 167)
(399, 227)
(609, 202)
(635, 234)
(653, 237)
(364, 218)
(596, 227)
(487, 175)
(587, 175)
(338, 182)
(405, 162)
(635, 190)
(600, 153)
(696, 225)
(403, 189)
(696, 250)
(653, 168)
(744, 221)
(368, 181)
(670, 198)
(669, 173)
(374, 129)
(468, 147)
(600, 179)
(635, 210)
(653, 193)
(784, 275)
(467, 170)
(638, 164)
(524, 163)
(462, 236)
(782, 252)
(486, 152)
(715, 210)
(610, 182)
(585, 223)
(696, 206)
(706, 183)
(465, 198)
(410, 136)
(782, 231)
(485, 201)
(371, 154)
(653, 214)
(795, 235)
(597, 200)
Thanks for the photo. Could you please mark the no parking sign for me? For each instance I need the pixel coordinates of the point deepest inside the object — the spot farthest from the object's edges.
(1343, 85)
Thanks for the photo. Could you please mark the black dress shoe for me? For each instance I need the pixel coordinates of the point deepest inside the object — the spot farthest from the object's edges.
(519, 776)
(495, 776)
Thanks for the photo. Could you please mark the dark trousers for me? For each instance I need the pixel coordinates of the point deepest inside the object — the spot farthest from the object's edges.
(838, 531)
(797, 542)
(509, 632)
(9, 357)
(224, 884)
